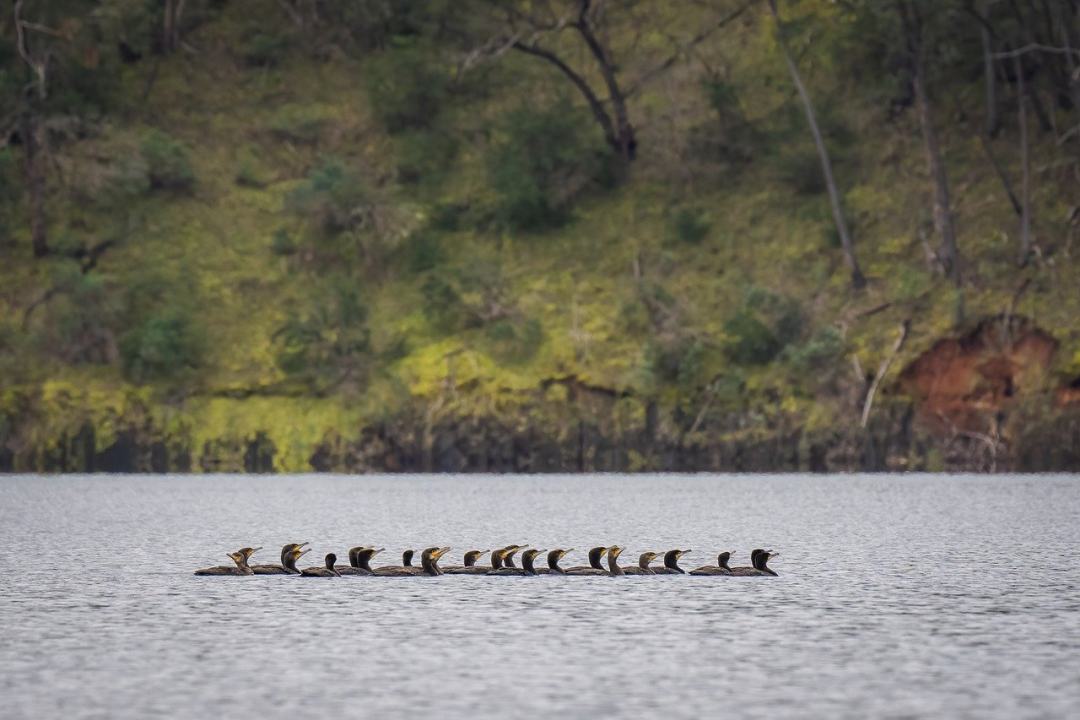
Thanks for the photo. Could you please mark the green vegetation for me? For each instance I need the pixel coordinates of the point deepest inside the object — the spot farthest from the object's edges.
(463, 234)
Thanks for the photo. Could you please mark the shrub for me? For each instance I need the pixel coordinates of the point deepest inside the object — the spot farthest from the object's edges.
(424, 155)
(281, 243)
(303, 124)
(262, 50)
(443, 306)
(329, 343)
(690, 226)
(406, 88)
(819, 353)
(331, 199)
(162, 346)
(514, 340)
(749, 341)
(679, 359)
(168, 162)
(422, 252)
(540, 163)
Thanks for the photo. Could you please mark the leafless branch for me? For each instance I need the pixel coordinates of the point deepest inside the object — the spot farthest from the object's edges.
(884, 368)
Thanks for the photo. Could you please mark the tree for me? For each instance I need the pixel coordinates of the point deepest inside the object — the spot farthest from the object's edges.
(913, 28)
(534, 29)
(30, 126)
(858, 281)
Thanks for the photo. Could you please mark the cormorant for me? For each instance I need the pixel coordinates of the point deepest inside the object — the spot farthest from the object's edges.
(470, 562)
(354, 567)
(720, 568)
(327, 571)
(671, 563)
(759, 560)
(508, 558)
(527, 568)
(642, 567)
(553, 558)
(240, 567)
(429, 565)
(290, 553)
(594, 567)
(405, 568)
(613, 554)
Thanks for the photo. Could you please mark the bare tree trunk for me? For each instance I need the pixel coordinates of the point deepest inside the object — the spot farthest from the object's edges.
(35, 182)
(1025, 163)
(943, 216)
(32, 134)
(857, 279)
(170, 31)
(993, 123)
(624, 141)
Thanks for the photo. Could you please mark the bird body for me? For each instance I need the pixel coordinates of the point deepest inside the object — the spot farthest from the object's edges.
(239, 566)
(594, 567)
(720, 568)
(642, 568)
(671, 563)
(290, 553)
(526, 568)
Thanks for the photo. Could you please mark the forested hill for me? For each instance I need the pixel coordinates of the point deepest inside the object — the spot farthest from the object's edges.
(550, 235)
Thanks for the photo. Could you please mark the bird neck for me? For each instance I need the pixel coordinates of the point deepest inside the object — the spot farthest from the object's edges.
(406, 558)
(527, 564)
(509, 562)
(496, 560)
(430, 566)
(613, 565)
(470, 560)
(594, 558)
(723, 562)
(643, 562)
(671, 561)
(553, 563)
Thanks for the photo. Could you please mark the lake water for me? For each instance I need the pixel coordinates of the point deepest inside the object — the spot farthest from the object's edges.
(898, 597)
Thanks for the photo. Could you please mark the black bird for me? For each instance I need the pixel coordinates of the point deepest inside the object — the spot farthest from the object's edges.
(327, 571)
(527, 568)
(671, 563)
(290, 553)
(759, 560)
(553, 559)
(429, 565)
(720, 568)
(594, 567)
(642, 567)
(405, 568)
(240, 566)
(613, 554)
(470, 559)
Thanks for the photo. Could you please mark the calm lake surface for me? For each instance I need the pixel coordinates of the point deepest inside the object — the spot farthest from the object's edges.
(898, 597)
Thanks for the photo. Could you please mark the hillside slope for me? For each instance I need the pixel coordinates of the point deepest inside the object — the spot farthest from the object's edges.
(288, 273)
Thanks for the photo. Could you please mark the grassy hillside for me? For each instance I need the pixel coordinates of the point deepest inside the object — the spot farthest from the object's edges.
(310, 251)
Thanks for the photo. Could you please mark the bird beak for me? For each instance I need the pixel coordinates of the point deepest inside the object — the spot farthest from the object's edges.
(567, 552)
(375, 552)
(304, 552)
(254, 550)
(773, 554)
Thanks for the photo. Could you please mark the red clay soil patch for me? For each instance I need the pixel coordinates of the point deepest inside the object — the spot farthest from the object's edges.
(1069, 395)
(965, 383)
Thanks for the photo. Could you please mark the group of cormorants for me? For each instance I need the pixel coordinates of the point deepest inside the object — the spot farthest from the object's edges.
(502, 563)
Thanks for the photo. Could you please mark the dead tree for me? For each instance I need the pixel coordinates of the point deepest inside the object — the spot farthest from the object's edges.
(911, 21)
(857, 279)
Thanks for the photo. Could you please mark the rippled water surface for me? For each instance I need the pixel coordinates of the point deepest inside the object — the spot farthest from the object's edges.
(897, 597)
